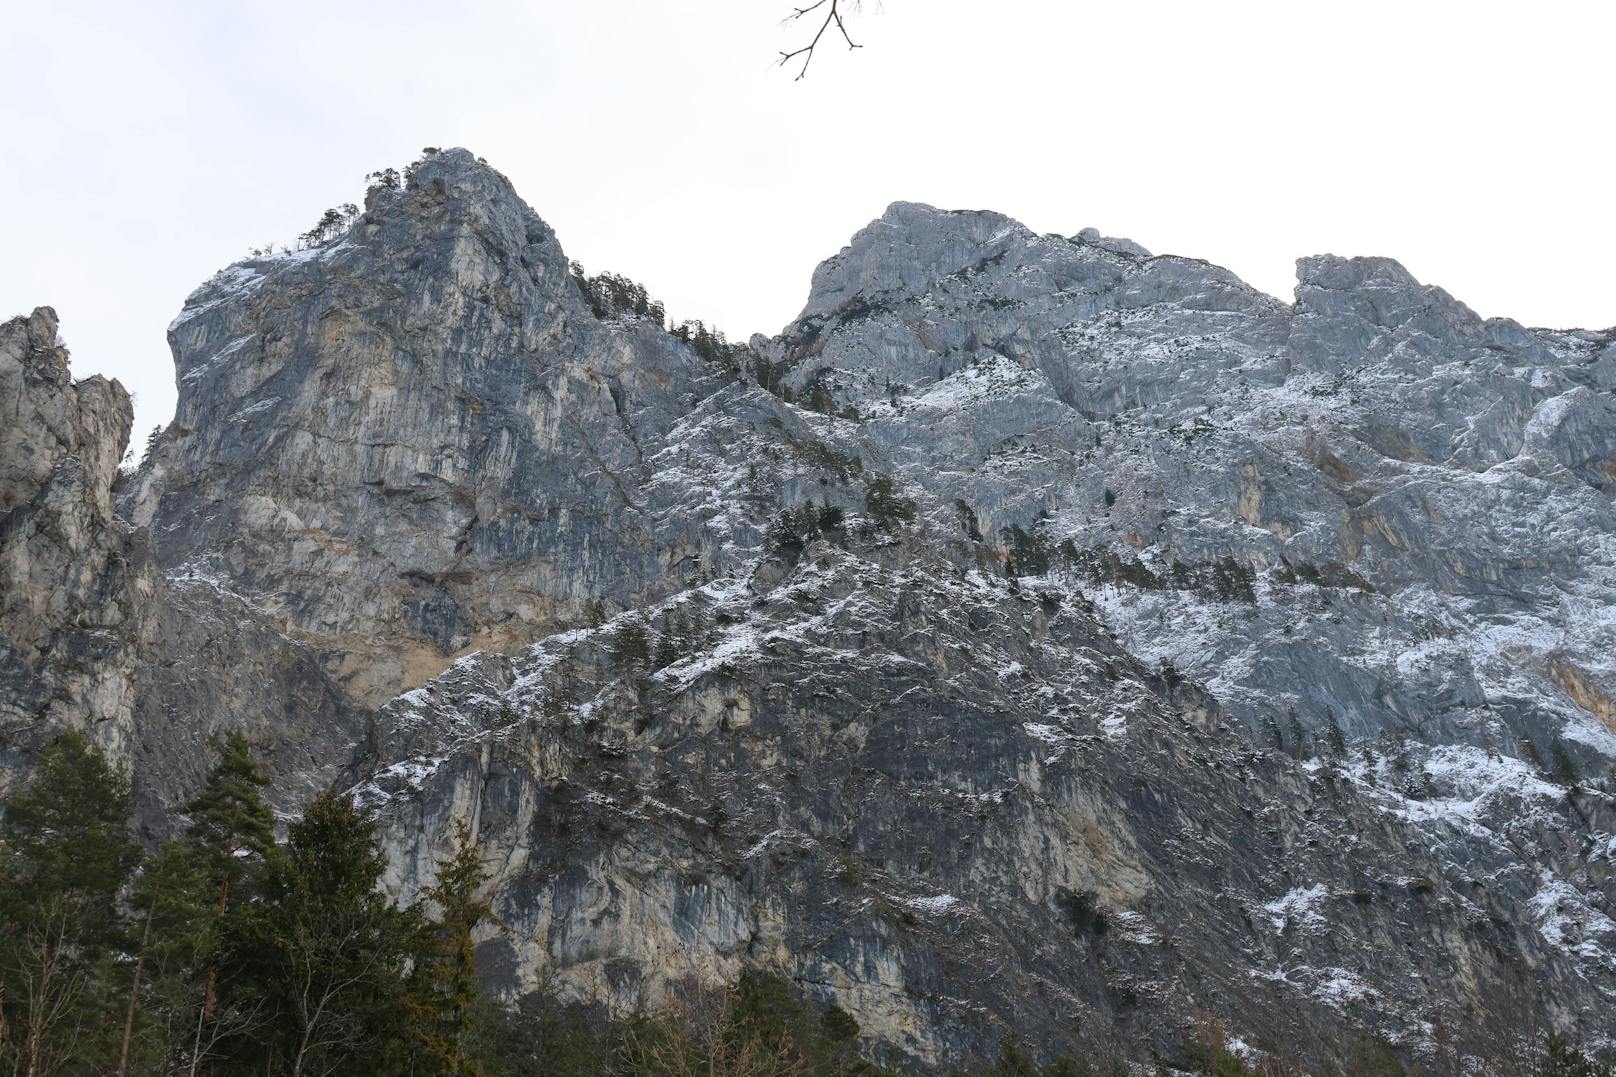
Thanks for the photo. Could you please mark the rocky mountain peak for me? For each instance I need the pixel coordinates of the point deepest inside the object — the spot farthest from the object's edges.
(51, 422)
(398, 438)
(1036, 635)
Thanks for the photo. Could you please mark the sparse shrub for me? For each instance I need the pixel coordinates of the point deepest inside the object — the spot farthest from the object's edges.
(630, 644)
(887, 509)
(1082, 908)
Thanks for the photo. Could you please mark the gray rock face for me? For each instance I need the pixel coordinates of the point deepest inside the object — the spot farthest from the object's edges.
(417, 439)
(1272, 632)
(93, 637)
(889, 779)
(71, 582)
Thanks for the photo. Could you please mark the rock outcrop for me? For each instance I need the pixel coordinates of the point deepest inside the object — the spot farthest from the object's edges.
(1037, 634)
(92, 634)
(417, 439)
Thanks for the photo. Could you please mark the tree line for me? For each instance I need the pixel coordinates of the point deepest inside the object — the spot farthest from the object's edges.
(226, 950)
(229, 950)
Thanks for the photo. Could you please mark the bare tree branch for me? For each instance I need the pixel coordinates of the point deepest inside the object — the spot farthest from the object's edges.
(833, 17)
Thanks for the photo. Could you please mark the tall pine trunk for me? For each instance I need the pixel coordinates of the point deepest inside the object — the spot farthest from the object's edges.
(134, 992)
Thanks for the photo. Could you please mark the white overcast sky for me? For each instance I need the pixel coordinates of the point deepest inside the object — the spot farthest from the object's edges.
(149, 144)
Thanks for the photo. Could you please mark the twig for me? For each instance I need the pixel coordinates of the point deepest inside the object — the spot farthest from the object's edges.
(834, 15)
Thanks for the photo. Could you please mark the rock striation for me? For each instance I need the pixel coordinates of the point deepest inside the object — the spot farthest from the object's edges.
(417, 440)
(93, 635)
(1156, 647)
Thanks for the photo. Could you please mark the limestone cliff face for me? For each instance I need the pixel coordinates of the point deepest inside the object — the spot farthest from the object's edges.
(1276, 633)
(72, 580)
(93, 637)
(417, 439)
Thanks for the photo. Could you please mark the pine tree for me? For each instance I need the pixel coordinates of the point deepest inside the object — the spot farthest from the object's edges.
(1564, 770)
(65, 852)
(595, 613)
(631, 644)
(1293, 726)
(667, 645)
(1338, 740)
(232, 829)
(320, 957)
(444, 998)
(174, 900)
(885, 506)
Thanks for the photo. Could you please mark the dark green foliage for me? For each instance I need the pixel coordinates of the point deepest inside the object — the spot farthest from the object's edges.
(1333, 574)
(842, 466)
(1559, 1058)
(711, 346)
(1082, 908)
(1168, 672)
(331, 224)
(1373, 1056)
(65, 843)
(1298, 736)
(1211, 1059)
(666, 652)
(65, 852)
(386, 179)
(232, 829)
(1013, 1060)
(1562, 767)
(630, 643)
(1225, 580)
(887, 509)
(969, 525)
(1336, 739)
(816, 394)
(178, 904)
(794, 528)
(1027, 553)
(443, 996)
(594, 613)
(316, 965)
(611, 295)
(1271, 734)
(1232, 580)
(755, 1027)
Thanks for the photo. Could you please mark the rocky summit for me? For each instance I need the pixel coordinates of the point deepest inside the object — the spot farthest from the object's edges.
(1036, 637)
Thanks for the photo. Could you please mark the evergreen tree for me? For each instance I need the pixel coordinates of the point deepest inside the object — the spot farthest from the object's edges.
(319, 959)
(595, 613)
(231, 828)
(1564, 770)
(1559, 1058)
(444, 998)
(65, 852)
(1298, 735)
(177, 906)
(231, 832)
(1337, 740)
(667, 644)
(886, 508)
(631, 644)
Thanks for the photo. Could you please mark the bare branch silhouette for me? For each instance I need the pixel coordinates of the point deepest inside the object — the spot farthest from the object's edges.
(833, 17)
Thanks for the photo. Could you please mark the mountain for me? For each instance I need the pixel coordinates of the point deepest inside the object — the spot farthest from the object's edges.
(1037, 636)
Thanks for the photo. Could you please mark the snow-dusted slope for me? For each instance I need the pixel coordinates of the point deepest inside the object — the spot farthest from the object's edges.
(1276, 634)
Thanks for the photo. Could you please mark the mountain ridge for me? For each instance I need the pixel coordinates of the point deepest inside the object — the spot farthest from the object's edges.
(1133, 561)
